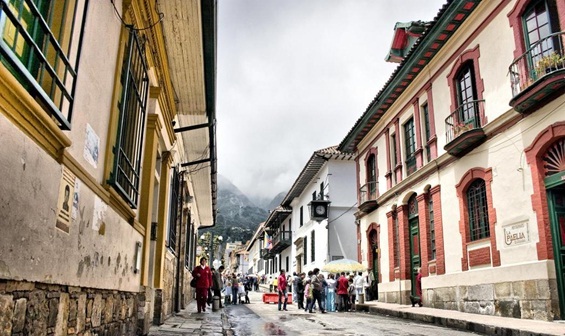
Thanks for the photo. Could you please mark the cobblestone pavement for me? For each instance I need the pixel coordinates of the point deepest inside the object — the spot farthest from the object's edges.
(189, 322)
(258, 318)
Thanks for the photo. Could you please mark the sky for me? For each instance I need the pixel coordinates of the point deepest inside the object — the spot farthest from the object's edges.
(293, 76)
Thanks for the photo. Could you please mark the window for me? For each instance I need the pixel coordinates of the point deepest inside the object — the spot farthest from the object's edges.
(466, 95)
(290, 225)
(313, 246)
(301, 216)
(537, 24)
(410, 146)
(287, 263)
(477, 208)
(36, 46)
(427, 131)
(322, 190)
(134, 82)
(394, 155)
(173, 210)
(305, 240)
(371, 181)
(432, 231)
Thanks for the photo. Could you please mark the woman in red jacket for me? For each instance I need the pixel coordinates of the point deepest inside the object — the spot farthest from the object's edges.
(203, 277)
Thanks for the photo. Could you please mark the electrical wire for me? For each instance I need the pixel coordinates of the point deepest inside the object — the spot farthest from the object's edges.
(130, 26)
(343, 213)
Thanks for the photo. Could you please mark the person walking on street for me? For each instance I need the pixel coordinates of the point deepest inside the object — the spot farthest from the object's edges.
(300, 291)
(282, 288)
(342, 286)
(234, 289)
(203, 277)
(316, 283)
(358, 281)
(218, 284)
(330, 299)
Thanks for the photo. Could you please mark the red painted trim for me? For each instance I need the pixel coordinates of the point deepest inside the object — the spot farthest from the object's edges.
(418, 127)
(376, 228)
(423, 223)
(398, 168)
(390, 223)
(534, 156)
(435, 193)
(404, 241)
(357, 179)
(470, 176)
(468, 55)
(399, 40)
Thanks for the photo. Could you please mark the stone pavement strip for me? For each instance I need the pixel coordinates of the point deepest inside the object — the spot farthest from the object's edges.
(189, 322)
(483, 324)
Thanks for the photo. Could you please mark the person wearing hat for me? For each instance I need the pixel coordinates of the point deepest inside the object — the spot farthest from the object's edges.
(218, 283)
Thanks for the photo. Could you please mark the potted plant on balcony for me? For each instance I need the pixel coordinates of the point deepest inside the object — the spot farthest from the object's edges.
(549, 63)
(461, 127)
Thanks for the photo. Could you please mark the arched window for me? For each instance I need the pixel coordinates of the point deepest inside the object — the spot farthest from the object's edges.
(466, 94)
(477, 208)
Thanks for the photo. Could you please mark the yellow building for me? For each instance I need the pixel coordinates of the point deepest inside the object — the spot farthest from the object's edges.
(108, 165)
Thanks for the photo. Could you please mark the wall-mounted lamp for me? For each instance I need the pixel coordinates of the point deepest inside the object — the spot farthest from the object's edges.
(138, 253)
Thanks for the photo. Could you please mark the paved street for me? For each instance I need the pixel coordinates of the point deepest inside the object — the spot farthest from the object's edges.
(258, 318)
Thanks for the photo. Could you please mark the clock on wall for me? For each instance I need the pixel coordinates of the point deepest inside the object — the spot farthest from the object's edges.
(319, 209)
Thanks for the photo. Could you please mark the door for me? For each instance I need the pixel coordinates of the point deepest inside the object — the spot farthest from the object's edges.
(414, 252)
(414, 231)
(374, 285)
(556, 200)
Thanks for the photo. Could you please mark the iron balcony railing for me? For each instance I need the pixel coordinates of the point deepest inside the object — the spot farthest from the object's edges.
(465, 118)
(282, 238)
(369, 192)
(544, 57)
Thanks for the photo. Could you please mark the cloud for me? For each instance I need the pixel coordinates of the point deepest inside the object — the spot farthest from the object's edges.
(294, 76)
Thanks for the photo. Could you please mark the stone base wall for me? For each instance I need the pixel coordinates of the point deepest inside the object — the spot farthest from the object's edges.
(402, 297)
(531, 299)
(164, 297)
(187, 291)
(28, 308)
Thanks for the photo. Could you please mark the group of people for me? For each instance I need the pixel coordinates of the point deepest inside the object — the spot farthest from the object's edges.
(211, 282)
(336, 293)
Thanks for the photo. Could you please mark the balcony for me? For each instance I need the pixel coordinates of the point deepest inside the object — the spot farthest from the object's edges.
(266, 254)
(368, 197)
(463, 128)
(281, 241)
(538, 76)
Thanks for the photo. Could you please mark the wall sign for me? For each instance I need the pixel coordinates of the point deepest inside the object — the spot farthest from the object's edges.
(516, 234)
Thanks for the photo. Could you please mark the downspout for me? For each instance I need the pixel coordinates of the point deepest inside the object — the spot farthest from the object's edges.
(180, 199)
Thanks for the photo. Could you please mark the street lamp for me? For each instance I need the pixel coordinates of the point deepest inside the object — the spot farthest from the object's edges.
(210, 244)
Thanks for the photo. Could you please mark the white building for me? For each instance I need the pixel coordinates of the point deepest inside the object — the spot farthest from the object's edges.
(461, 161)
(297, 242)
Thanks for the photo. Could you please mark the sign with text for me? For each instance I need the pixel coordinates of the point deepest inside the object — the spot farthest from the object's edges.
(516, 234)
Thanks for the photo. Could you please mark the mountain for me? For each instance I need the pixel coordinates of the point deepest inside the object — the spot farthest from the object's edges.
(238, 217)
(268, 203)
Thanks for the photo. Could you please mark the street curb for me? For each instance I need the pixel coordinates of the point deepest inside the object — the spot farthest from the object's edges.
(448, 322)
